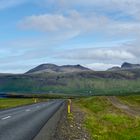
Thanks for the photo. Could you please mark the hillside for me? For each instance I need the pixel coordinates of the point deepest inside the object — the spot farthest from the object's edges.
(51, 68)
(82, 83)
(125, 66)
(69, 81)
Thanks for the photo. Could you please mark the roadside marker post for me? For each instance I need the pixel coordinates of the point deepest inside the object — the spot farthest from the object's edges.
(35, 100)
(70, 115)
(69, 106)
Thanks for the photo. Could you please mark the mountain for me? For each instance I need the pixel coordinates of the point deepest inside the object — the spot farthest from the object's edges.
(125, 66)
(52, 68)
(130, 66)
(73, 79)
(76, 83)
(114, 69)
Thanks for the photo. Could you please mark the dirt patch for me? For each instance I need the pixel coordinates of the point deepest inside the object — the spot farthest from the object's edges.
(71, 126)
(129, 110)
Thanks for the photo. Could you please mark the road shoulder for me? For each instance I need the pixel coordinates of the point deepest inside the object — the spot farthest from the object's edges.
(71, 126)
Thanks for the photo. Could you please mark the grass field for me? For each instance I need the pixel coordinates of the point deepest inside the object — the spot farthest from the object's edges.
(8, 103)
(133, 101)
(105, 122)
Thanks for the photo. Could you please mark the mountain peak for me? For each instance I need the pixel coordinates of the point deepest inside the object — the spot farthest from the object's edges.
(52, 68)
(127, 65)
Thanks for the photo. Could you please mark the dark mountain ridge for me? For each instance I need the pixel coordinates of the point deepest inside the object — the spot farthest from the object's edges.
(125, 66)
(52, 68)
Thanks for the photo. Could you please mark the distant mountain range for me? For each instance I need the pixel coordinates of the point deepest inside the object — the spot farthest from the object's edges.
(74, 79)
(125, 66)
(52, 68)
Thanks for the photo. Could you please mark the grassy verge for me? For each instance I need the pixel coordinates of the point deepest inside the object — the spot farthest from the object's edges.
(105, 122)
(9, 103)
(133, 101)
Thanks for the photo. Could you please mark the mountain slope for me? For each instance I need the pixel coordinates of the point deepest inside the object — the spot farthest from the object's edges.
(114, 69)
(130, 66)
(72, 79)
(51, 68)
(125, 66)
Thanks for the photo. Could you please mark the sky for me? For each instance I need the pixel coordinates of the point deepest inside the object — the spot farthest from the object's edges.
(98, 34)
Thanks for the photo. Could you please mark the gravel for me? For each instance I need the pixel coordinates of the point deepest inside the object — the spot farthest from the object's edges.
(70, 127)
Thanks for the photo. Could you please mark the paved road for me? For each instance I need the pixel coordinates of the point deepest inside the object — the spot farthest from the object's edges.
(24, 123)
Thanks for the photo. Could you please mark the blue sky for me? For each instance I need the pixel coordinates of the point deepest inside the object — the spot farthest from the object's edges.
(97, 34)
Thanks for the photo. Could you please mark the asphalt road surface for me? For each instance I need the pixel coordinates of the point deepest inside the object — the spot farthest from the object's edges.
(24, 123)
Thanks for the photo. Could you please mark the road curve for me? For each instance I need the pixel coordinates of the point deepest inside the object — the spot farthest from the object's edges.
(24, 123)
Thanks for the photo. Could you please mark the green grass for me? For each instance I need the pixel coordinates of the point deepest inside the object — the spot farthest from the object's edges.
(105, 122)
(133, 101)
(9, 103)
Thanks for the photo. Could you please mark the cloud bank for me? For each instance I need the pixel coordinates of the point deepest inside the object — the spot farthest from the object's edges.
(65, 28)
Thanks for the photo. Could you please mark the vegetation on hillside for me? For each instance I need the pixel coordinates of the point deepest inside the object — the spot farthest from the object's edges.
(84, 83)
(105, 122)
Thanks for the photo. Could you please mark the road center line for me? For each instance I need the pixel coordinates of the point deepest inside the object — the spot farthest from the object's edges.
(6, 117)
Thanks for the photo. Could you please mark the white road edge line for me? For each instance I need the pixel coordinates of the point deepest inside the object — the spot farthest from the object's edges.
(6, 117)
(27, 110)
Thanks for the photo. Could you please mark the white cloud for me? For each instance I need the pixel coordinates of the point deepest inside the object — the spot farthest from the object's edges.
(130, 7)
(100, 66)
(35, 52)
(10, 3)
(59, 22)
(98, 54)
(77, 23)
(111, 54)
(65, 20)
